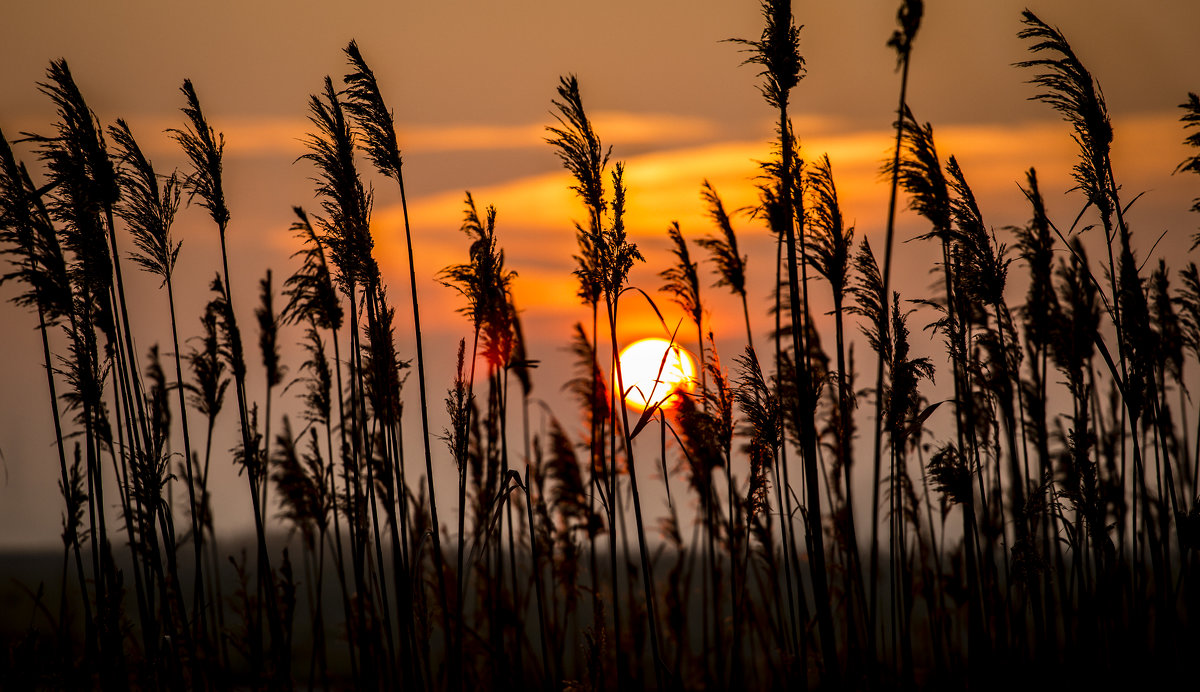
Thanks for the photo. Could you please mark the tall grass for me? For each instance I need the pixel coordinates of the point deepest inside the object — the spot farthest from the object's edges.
(1041, 528)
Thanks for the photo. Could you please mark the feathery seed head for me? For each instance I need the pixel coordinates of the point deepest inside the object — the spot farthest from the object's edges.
(871, 301)
(730, 265)
(909, 18)
(28, 236)
(78, 150)
(147, 207)
(268, 331)
(310, 291)
(950, 473)
(486, 284)
(84, 186)
(346, 203)
(777, 51)
(578, 147)
(208, 369)
(1191, 120)
(921, 175)
(1067, 87)
(682, 278)
(204, 147)
(364, 102)
(830, 241)
(1035, 244)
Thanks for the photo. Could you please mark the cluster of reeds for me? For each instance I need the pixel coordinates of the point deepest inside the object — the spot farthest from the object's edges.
(1044, 518)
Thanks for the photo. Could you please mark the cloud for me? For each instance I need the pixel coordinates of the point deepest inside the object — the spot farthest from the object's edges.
(536, 213)
(264, 135)
(617, 126)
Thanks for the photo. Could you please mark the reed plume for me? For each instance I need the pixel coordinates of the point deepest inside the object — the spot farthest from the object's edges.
(268, 347)
(778, 52)
(84, 190)
(909, 18)
(683, 284)
(204, 148)
(829, 247)
(366, 106)
(28, 238)
(1067, 87)
(148, 208)
(1191, 120)
(486, 285)
(730, 264)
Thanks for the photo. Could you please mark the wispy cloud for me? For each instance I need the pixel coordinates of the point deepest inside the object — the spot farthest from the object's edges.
(536, 213)
(624, 127)
(265, 136)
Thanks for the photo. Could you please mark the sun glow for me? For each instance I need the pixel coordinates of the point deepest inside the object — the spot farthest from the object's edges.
(654, 371)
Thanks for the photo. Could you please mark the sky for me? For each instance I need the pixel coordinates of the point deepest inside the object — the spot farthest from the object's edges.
(471, 83)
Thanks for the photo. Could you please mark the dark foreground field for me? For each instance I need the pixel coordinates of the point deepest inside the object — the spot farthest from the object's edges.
(41, 654)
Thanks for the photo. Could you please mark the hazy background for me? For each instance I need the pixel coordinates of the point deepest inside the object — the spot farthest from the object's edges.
(471, 85)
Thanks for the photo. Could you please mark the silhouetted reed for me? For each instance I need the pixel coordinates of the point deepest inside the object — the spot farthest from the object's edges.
(1045, 532)
(778, 52)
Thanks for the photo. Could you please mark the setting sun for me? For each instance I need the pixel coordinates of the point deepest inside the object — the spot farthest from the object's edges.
(653, 370)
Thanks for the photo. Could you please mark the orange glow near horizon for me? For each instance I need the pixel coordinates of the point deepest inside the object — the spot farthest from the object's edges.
(654, 371)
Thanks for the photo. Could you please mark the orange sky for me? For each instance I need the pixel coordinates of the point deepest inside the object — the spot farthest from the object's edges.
(471, 84)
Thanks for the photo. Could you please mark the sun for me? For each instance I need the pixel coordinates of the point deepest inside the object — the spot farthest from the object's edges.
(650, 379)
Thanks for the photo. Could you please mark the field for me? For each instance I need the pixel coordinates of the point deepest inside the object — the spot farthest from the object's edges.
(814, 511)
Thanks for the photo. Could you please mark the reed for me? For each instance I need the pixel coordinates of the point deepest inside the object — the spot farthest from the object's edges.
(1045, 532)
